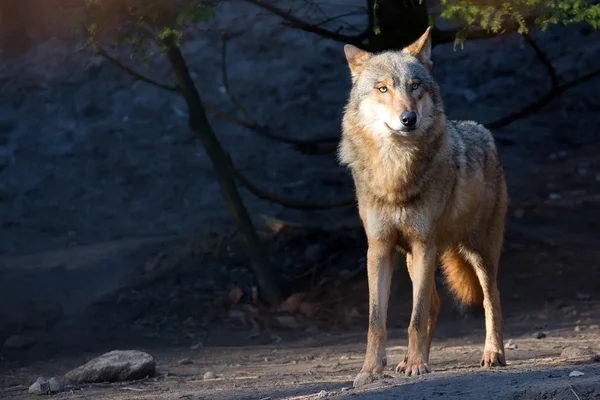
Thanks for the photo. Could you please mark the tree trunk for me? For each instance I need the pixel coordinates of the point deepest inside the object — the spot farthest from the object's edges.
(200, 125)
(396, 23)
(14, 36)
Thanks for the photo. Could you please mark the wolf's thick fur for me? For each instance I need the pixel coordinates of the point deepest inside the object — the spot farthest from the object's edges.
(431, 186)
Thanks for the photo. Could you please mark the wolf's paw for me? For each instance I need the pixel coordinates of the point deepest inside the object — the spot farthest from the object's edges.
(368, 375)
(413, 368)
(493, 359)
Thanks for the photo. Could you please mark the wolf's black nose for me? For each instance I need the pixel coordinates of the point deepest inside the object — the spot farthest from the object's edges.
(408, 118)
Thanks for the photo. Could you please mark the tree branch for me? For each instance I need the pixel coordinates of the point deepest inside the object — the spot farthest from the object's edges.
(297, 23)
(171, 88)
(536, 105)
(135, 74)
(286, 202)
(251, 123)
(540, 54)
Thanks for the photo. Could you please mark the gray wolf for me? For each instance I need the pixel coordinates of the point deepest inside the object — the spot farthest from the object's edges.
(432, 187)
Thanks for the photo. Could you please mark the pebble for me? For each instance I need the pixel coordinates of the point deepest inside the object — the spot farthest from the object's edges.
(539, 335)
(322, 394)
(185, 361)
(511, 345)
(576, 373)
(209, 375)
(572, 352)
(577, 328)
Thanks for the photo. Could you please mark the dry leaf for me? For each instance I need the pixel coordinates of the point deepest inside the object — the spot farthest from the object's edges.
(292, 303)
(235, 295)
(309, 309)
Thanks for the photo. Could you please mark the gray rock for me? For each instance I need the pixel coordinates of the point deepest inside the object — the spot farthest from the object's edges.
(209, 375)
(19, 342)
(114, 366)
(56, 386)
(572, 352)
(40, 386)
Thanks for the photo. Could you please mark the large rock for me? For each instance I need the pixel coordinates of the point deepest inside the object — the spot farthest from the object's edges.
(114, 366)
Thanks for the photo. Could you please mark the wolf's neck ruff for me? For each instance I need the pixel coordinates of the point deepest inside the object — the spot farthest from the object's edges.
(392, 169)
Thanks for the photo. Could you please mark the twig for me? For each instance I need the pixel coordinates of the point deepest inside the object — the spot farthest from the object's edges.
(297, 23)
(302, 145)
(135, 74)
(540, 54)
(228, 93)
(536, 105)
(286, 202)
(171, 88)
(573, 390)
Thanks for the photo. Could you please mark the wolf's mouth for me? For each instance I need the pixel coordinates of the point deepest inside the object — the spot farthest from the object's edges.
(403, 130)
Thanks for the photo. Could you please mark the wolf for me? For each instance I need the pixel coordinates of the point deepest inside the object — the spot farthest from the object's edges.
(433, 188)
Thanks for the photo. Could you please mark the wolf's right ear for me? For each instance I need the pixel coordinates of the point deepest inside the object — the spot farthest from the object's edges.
(356, 58)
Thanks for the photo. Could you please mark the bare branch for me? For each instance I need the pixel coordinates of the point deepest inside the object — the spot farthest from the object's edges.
(287, 202)
(251, 122)
(135, 74)
(298, 23)
(536, 105)
(540, 54)
(171, 88)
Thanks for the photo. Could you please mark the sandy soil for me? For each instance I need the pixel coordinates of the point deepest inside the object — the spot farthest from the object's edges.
(113, 235)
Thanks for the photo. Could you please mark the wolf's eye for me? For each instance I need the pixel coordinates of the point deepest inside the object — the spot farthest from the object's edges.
(382, 89)
(415, 86)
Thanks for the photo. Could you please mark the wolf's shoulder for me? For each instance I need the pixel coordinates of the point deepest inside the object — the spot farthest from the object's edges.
(471, 133)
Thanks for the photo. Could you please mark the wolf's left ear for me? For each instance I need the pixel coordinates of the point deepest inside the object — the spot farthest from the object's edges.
(356, 58)
(421, 48)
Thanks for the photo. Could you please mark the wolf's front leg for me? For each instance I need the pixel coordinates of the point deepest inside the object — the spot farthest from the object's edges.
(379, 269)
(423, 276)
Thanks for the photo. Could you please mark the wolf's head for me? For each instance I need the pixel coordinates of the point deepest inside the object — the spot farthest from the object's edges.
(394, 93)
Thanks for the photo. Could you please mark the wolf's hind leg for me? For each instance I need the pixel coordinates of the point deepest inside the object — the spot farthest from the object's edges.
(485, 264)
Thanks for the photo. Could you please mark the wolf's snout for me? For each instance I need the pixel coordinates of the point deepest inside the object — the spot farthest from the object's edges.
(409, 119)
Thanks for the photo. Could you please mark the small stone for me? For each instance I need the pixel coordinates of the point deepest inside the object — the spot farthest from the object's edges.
(114, 366)
(511, 345)
(572, 352)
(594, 327)
(539, 335)
(209, 375)
(19, 342)
(583, 296)
(577, 328)
(575, 374)
(56, 386)
(344, 389)
(322, 394)
(345, 358)
(196, 346)
(185, 361)
(267, 359)
(40, 386)
(554, 196)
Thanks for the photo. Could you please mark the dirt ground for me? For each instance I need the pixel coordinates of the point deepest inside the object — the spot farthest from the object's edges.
(113, 235)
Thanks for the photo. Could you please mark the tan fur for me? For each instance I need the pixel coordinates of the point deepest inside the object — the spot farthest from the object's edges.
(436, 190)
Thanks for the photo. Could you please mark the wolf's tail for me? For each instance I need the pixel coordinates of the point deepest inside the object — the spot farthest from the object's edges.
(461, 279)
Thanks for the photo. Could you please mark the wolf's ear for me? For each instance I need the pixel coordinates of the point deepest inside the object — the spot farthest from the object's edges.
(356, 58)
(421, 48)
